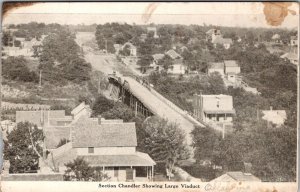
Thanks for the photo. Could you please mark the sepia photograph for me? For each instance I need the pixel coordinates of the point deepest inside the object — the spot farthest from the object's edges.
(149, 96)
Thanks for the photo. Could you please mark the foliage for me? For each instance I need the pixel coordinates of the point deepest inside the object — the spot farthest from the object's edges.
(119, 111)
(7, 39)
(144, 62)
(270, 150)
(62, 142)
(101, 105)
(16, 68)
(79, 170)
(164, 141)
(23, 147)
(60, 59)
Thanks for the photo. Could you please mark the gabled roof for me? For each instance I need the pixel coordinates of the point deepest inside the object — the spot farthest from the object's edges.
(222, 41)
(276, 36)
(131, 46)
(240, 176)
(37, 117)
(230, 63)
(173, 54)
(216, 65)
(53, 135)
(275, 116)
(290, 56)
(158, 56)
(88, 133)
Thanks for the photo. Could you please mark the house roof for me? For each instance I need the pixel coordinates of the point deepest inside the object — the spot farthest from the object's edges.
(222, 41)
(131, 46)
(240, 176)
(230, 63)
(173, 54)
(158, 56)
(275, 116)
(136, 159)
(88, 133)
(216, 65)
(54, 134)
(211, 31)
(220, 111)
(276, 36)
(290, 56)
(37, 117)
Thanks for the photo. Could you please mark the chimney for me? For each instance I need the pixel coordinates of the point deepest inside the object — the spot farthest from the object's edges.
(271, 108)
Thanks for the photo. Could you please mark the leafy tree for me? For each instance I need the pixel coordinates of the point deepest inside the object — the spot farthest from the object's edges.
(119, 111)
(79, 170)
(164, 142)
(15, 68)
(7, 39)
(166, 62)
(144, 62)
(17, 43)
(101, 105)
(23, 148)
(62, 142)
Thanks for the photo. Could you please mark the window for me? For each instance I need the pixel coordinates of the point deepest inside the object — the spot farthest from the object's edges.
(91, 150)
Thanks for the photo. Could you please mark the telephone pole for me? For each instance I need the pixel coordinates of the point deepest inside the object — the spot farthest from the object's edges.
(40, 79)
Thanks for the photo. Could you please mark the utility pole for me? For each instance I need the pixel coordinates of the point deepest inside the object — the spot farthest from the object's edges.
(223, 131)
(40, 79)
(99, 85)
(106, 46)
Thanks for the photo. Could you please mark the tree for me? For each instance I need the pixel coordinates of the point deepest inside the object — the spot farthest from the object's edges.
(62, 142)
(166, 62)
(23, 148)
(119, 111)
(144, 62)
(7, 39)
(79, 170)
(101, 105)
(164, 142)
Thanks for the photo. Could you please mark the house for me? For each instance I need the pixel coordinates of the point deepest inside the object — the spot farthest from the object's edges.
(276, 38)
(44, 118)
(294, 41)
(276, 117)
(213, 108)
(183, 48)
(81, 109)
(156, 59)
(117, 48)
(216, 67)
(232, 69)
(212, 34)
(225, 42)
(108, 147)
(236, 177)
(292, 57)
(177, 69)
(173, 54)
(143, 37)
(132, 48)
(154, 30)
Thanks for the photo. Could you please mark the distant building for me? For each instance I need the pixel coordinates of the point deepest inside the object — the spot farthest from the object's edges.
(117, 48)
(108, 147)
(276, 117)
(132, 48)
(292, 57)
(214, 108)
(236, 177)
(212, 34)
(294, 41)
(231, 66)
(178, 69)
(216, 67)
(154, 30)
(225, 42)
(276, 38)
(173, 54)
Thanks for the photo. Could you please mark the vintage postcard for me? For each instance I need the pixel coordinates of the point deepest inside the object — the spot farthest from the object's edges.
(149, 96)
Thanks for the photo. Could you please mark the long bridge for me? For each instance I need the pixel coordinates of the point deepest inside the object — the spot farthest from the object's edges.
(143, 99)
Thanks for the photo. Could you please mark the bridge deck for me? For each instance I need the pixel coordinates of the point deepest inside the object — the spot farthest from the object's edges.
(161, 106)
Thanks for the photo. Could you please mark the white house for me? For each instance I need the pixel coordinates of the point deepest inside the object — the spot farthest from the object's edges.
(214, 108)
(232, 69)
(216, 67)
(236, 177)
(292, 57)
(108, 147)
(132, 48)
(225, 42)
(276, 117)
(177, 69)
(294, 41)
(212, 34)
(154, 30)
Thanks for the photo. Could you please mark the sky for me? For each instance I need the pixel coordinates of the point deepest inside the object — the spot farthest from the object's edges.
(224, 14)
